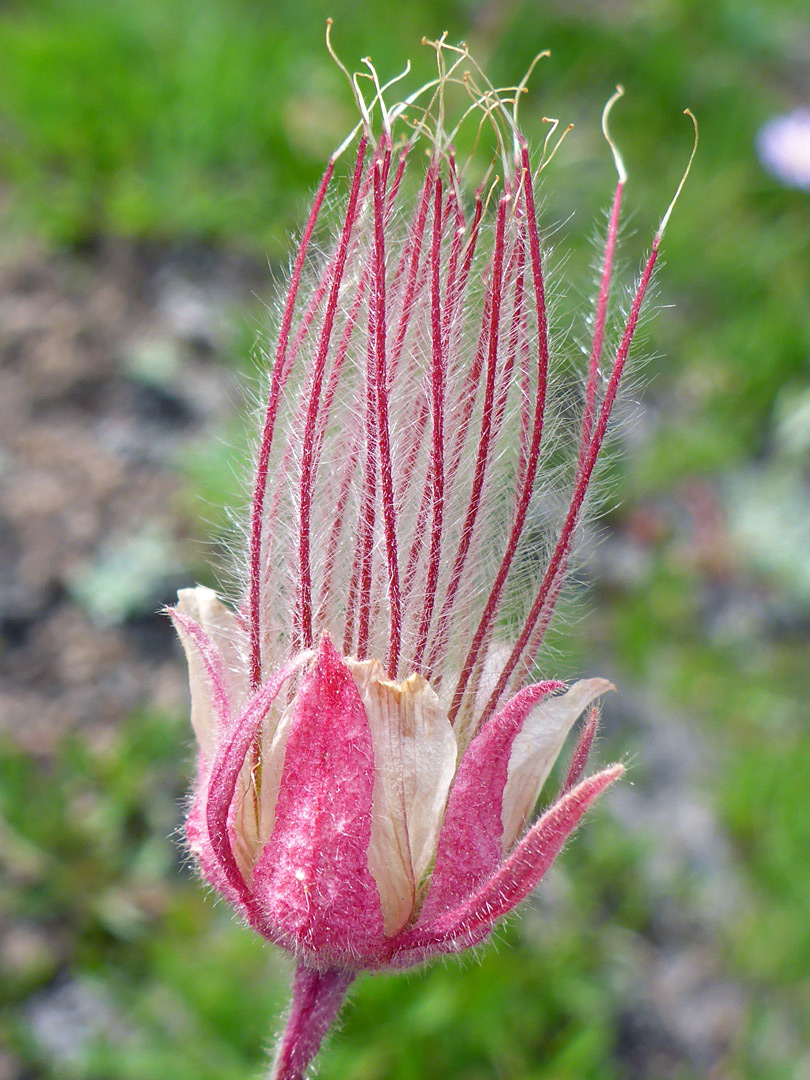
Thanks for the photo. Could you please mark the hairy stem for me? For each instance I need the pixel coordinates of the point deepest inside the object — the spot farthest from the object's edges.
(317, 997)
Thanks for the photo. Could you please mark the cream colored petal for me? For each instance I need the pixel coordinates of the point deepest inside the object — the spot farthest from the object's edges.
(494, 662)
(256, 792)
(222, 625)
(495, 658)
(536, 748)
(274, 749)
(246, 841)
(487, 673)
(414, 762)
(198, 604)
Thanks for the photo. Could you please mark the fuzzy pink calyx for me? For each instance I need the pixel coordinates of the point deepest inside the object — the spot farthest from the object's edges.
(312, 880)
(335, 807)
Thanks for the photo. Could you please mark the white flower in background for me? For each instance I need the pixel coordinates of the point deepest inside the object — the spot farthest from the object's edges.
(783, 146)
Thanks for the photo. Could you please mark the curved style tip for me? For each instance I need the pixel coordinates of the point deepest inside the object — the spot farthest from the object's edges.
(547, 155)
(522, 86)
(358, 97)
(671, 207)
(617, 157)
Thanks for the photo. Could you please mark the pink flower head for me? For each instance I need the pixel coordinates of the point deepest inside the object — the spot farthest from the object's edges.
(371, 747)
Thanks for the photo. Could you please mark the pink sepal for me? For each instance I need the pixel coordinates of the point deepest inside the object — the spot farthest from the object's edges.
(583, 748)
(225, 770)
(469, 846)
(200, 846)
(470, 923)
(312, 881)
(196, 825)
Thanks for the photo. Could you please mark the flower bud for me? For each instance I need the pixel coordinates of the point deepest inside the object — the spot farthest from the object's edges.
(371, 749)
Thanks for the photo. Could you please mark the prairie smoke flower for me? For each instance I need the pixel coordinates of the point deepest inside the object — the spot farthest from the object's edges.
(370, 747)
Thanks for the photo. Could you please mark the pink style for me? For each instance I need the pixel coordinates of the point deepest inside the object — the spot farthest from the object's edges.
(371, 747)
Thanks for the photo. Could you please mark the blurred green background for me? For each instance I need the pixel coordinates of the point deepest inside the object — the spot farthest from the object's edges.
(153, 156)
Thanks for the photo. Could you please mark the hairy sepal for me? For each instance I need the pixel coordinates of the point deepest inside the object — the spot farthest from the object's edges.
(471, 922)
(469, 847)
(312, 881)
(225, 770)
